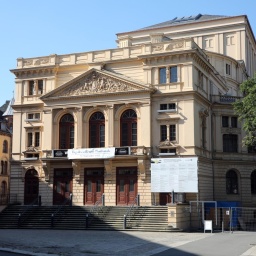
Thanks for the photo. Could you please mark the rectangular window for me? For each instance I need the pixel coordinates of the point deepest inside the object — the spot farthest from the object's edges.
(35, 87)
(37, 139)
(171, 77)
(173, 74)
(163, 132)
(234, 122)
(31, 88)
(33, 139)
(172, 132)
(33, 116)
(225, 121)
(228, 69)
(168, 151)
(30, 139)
(40, 87)
(169, 106)
(162, 76)
(230, 142)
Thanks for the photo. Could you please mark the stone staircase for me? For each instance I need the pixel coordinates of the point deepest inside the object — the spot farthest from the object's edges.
(142, 218)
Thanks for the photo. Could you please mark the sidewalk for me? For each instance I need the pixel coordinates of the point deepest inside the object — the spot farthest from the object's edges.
(128, 243)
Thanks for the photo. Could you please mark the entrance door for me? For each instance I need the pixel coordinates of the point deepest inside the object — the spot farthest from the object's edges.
(31, 186)
(126, 182)
(93, 185)
(165, 198)
(62, 185)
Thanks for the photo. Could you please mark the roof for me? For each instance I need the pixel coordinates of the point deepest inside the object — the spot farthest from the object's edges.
(9, 111)
(185, 20)
(4, 106)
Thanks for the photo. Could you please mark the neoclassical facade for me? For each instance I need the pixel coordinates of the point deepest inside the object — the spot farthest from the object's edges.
(89, 123)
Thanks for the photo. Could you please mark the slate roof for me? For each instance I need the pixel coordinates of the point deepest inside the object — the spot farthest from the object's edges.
(185, 20)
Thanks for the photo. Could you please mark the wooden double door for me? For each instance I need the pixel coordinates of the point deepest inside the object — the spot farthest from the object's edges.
(62, 185)
(31, 189)
(93, 185)
(126, 185)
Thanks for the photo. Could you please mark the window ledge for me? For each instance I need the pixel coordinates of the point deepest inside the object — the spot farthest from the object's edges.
(167, 110)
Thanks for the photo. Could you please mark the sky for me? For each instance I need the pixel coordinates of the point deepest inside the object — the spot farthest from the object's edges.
(30, 28)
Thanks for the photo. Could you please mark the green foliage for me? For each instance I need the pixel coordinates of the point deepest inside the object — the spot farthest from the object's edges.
(245, 108)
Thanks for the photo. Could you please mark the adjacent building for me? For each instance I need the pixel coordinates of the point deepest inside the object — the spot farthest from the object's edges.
(90, 123)
(5, 151)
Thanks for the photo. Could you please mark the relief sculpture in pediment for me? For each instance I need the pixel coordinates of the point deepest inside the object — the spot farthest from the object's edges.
(96, 83)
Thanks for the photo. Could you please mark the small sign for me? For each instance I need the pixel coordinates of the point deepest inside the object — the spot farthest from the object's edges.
(208, 225)
(227, 212)
(60, 153)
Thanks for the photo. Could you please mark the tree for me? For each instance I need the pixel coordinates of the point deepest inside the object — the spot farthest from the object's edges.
(245, 108)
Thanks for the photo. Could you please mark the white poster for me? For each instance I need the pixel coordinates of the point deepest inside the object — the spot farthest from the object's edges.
(174, 174)
(91, 153)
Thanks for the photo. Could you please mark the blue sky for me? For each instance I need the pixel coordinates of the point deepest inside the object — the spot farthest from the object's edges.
(31, 28)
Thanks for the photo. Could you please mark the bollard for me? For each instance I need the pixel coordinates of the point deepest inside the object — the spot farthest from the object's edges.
(138, 203)
(39, 201)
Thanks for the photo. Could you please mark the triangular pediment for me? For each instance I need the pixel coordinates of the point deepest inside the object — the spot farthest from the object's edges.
(95, 82)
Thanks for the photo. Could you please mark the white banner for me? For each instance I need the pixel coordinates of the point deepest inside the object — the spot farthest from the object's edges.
(174, 174)
(91, 153)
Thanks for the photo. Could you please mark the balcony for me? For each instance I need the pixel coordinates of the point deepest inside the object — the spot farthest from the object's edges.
(224, 99)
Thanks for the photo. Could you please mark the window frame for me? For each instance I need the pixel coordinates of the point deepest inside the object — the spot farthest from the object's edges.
(230, 143)
(129, 128)
(97, 130)
(232, 182)
(66, 130)
(35, 87)
(168, 74)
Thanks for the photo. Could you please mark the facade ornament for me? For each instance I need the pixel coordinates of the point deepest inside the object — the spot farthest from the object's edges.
(174, 45)
(157, 48)
(96, 83)
(204, 112)
(167, 143)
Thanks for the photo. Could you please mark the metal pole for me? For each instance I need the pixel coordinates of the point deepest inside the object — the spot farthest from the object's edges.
(19, 220)
(103, 199)
(71, 198)
(124, 222)
(86, 221)
(138, 203)
(52, 220)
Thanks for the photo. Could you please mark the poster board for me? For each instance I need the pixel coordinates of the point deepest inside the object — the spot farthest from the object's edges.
(174, 174)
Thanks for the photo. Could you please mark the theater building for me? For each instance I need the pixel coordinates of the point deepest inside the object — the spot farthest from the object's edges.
(89, 123)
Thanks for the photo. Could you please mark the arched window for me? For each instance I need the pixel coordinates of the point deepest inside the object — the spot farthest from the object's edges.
(128, 131)
(253, 182)
(5, 146)
(231, 182)
(66, 132)
(97, 130)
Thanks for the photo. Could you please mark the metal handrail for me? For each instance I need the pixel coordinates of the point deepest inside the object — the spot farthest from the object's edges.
(94, 210)
(59, 211)
(36, 202)
(130, 211)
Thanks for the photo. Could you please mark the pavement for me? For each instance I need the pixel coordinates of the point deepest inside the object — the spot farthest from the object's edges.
(127, 243)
